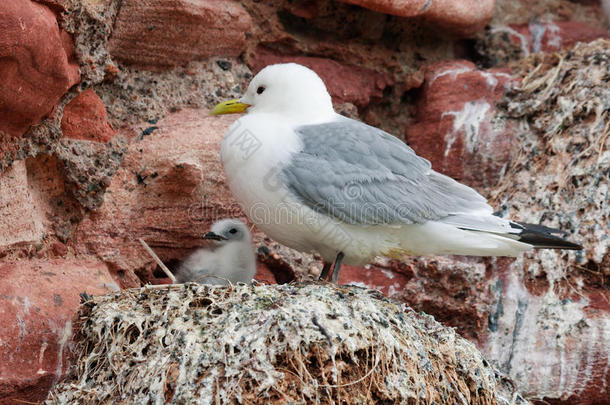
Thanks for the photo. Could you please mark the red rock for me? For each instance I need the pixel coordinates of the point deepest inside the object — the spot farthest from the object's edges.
(169, 190)
(53, 5)
(51, 201)
(463, 17)
(549, 36)
(38, 300)
(306, 9)
(85, 118)
(400, 8)
(59, 249)
(21, 220)
(161, 281)
(278, 264)
(454, 126)
(345, 83)
(264, 275)
(554, 346)
(453, 289)
(387, 281)
(154, 34)
(35, 65)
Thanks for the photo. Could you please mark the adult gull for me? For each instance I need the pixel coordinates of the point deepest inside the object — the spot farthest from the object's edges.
(317, 181)
(231, 258)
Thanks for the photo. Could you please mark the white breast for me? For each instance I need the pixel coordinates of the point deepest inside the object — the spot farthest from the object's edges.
(253, 156)
(254, 151)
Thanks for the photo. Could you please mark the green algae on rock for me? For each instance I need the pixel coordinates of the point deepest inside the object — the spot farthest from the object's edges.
(314, 343)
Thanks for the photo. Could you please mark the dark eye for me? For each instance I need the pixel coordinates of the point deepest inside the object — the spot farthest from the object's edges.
(232, 230)
(260, 89)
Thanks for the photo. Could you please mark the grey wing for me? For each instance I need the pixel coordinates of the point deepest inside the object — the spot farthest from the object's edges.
(363, 175)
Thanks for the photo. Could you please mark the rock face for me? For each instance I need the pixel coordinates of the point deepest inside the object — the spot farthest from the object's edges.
(36, 210)
(88, 157)
(88, 166)
(38, 300)
(36, 65)
(464, 17)
(457, 126)
(20, 220)
(276, 351)
(85, 118)
(149, 33)
(548, 36)
(508, 43)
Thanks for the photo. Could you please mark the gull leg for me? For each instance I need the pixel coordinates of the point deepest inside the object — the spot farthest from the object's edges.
(334, 278)
(325, 271)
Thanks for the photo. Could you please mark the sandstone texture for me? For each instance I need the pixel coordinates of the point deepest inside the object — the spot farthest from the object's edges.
(36, 65)
(85, 118)
(38, 299)
(161, 34)
(503, 43)
(20, 220)
(548, 36)
(105, 138)
(457, 101)
(345, 83)
(463, 17)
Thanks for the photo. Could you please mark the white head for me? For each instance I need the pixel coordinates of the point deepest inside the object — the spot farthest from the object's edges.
(227, 231)
(288, 89)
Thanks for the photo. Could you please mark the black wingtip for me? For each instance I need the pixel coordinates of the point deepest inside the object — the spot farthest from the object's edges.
(543, 237)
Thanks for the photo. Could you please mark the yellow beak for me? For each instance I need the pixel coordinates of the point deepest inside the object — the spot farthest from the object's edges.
(229, 107)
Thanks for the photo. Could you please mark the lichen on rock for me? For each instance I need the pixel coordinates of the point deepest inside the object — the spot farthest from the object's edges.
(314, 343)
(563, 107)
(552, 328)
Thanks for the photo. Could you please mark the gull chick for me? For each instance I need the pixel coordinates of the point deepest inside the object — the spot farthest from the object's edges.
(232, 257)
(319, 182)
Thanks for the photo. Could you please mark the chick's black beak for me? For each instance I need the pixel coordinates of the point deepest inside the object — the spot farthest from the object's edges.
(213, 236)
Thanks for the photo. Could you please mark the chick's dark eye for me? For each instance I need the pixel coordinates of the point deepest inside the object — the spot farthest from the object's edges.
(232, 230)
(260, 89)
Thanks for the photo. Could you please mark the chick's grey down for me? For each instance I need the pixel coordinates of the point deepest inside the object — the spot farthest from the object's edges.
(231, 257)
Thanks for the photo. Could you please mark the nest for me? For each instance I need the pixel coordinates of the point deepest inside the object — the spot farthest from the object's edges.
(302, 343)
